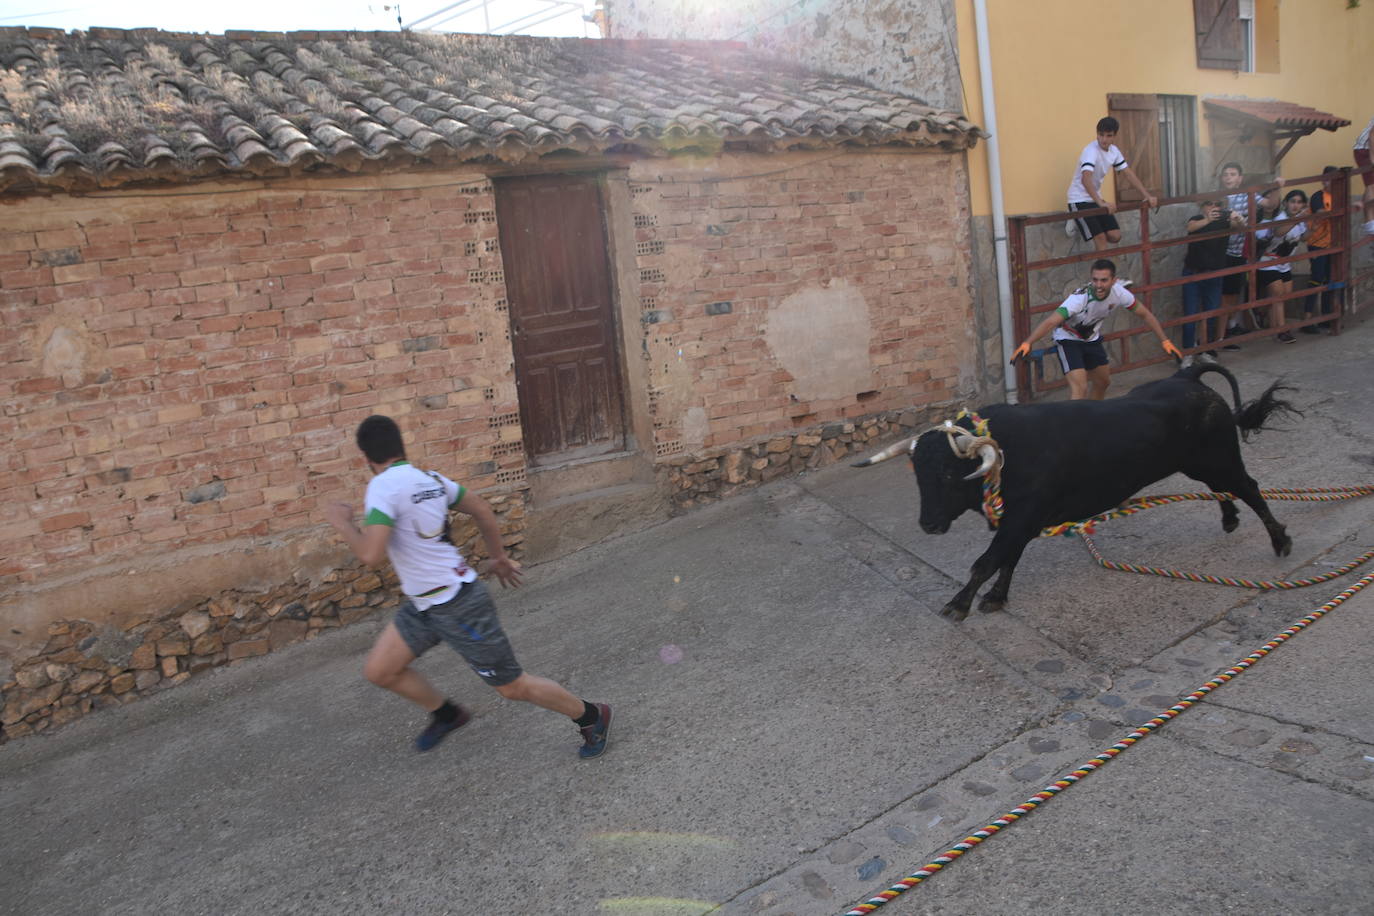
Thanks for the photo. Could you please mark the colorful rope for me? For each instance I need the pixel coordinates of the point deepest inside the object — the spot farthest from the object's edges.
(993, 508)
(1088, 768)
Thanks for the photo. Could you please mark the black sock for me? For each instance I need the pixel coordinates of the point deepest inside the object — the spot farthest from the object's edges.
(589, 715)
(446, 713)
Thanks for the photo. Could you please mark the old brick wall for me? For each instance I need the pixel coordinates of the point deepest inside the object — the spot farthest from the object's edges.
(181, 375)
(823, 287)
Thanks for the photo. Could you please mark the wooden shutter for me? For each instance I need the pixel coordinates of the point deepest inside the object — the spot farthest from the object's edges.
(1217, 23)
(1139, 143)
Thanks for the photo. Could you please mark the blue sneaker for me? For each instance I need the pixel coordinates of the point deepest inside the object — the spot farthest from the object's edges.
(594, 735)
(436, 731)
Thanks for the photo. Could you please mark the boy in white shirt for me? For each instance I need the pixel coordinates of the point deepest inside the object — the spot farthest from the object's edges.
(1085, 190)
(1076, 332)
(406, 520)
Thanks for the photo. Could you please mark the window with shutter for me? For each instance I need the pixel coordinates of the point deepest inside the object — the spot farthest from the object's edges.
(1220, 44)
(1139, 142)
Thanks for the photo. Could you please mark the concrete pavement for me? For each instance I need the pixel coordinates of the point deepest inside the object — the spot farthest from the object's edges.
(795, 727)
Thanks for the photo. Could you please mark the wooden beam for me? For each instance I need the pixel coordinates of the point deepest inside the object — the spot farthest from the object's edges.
(1294, 138)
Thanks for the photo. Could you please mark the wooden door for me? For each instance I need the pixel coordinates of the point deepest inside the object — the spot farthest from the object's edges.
(1138, 141)
(567, 367)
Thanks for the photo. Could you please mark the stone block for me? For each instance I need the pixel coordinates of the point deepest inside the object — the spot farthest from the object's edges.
(33, 677)
(170, 666)
(176, 644)
(12, 711)
(734, 468)
(284, 632)
(40, 698)
(195, 623)
(248, 648)
(146, 680)
(144, 657)
(86, 680)
(207, 644)
(353, 615)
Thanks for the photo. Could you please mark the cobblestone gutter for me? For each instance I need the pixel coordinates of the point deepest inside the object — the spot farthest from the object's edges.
(85, 666)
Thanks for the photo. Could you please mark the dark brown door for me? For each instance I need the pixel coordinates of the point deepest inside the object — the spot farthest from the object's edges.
(553, 245)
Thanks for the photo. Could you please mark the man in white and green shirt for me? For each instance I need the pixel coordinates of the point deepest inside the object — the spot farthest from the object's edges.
(406, 519)
(1076, 325)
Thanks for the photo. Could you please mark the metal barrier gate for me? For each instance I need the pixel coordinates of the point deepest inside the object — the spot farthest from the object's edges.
(1351, 289)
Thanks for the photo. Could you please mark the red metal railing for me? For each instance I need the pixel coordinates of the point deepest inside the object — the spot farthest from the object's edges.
(1030, 374)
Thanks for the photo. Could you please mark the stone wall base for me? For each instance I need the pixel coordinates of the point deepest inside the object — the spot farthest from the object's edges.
(85, 666)
(714, 474)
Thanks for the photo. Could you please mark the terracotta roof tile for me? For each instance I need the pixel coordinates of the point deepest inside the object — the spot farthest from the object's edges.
(110, 106)
(1285, 115)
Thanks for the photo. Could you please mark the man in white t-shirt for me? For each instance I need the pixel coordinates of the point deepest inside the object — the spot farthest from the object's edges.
(1076, 325)
(406, 519)
(1085, 191)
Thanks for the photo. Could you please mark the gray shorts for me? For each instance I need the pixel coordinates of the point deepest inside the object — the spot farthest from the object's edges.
(468, 623)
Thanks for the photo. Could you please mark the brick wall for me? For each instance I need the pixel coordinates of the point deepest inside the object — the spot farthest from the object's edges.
(184, 372)
(722, 253)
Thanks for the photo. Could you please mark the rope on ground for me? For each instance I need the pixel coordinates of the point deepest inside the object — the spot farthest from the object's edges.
(1311, 494)
(1089, 767)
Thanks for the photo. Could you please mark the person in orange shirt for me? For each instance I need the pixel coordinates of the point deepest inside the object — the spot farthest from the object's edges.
(1319, 239)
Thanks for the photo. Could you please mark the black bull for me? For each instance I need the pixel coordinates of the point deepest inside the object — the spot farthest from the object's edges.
(1067, 461)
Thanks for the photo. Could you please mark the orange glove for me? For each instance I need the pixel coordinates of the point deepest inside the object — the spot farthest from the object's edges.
(1021, 352)
(1172, 350)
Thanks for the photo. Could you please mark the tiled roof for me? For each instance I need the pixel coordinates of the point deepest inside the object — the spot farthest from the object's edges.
(110, 106)
(1284, 115)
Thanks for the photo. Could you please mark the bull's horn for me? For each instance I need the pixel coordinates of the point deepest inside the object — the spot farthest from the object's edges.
(988, 452)
(892, 451)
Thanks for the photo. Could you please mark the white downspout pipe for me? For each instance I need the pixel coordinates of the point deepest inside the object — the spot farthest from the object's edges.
(999, 214)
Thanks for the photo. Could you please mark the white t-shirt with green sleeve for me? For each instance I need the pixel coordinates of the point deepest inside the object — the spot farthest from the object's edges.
(415, 504)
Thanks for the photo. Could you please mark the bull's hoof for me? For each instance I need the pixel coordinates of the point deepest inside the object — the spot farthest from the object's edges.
(1284, 547)
(1230, 524)
(988, 605)
(954, 612)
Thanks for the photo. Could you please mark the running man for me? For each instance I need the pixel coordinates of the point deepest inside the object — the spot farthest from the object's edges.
(1076, 326)
(407, 520)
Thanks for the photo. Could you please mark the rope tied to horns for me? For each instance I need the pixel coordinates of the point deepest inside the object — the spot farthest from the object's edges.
(966, 446)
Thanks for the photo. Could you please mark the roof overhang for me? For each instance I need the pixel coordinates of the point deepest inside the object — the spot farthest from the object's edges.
(1282, 118)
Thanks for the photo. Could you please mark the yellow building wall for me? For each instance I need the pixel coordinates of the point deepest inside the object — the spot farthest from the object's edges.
(1055, 61)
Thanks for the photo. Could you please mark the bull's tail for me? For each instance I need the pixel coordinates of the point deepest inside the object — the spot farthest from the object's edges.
(1251, 417)
(1201, 367)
